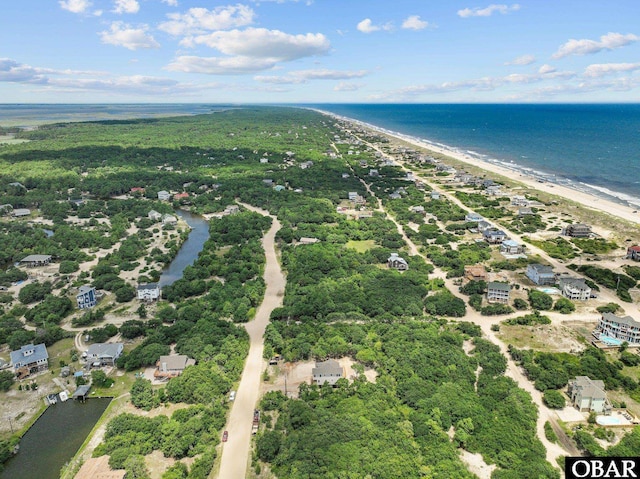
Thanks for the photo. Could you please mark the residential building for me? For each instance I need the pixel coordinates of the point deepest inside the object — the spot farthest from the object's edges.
(417, 209)
(231, 210)
(268, 182)
(101, 354)
(525, 212)
(154, 215)
(169, 367)
(578, 230)
(305, 165)
(633, 252)
(483, 226)
(494, 236)
(373, 172)
(20, 212)
(410, 176)
(180, 196)
(353, 196)
(475, 273)
(495, 190)
(574, 288)
(519, 200)
(395, 195)
(164, 195)
(86, 297)
(148, 291)
(620, 328)
(588, 395)
(34, 260)
(264, 160)
(511, 247)
(435, 195)
(397, 262)
(473, 217)
(169, 220)
(137, 189)
(498, 292)
(30, 359)
(345, 175)
(328, 371)
(540, 274)
(305, 240)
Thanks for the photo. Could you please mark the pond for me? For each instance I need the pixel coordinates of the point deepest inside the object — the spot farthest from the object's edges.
(189, 250)
(54, 439)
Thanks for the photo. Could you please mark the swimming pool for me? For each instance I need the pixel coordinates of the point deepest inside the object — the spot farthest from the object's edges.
(549, 290)
(609, 340)
(609, 421)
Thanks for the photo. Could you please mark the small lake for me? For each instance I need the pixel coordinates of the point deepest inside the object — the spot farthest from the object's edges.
(54, 439)
(190, 249)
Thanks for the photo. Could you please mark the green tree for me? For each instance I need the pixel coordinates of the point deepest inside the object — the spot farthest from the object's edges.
(100, 379)
(540, 300)
(6, 380)
(554, 399)
(136, 467)
(143, 396)
(564, 306)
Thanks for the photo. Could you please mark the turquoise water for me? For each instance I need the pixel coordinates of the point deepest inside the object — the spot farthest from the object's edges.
(608, 421)
(610, 341)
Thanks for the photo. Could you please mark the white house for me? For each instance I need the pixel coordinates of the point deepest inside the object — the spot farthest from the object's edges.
(169, 220)
(104, 353)
(587, 394)
(397, 262)
(86, 297)
(510, 247)
(574, 288)
(164, 195)
(154, 215)
(540, 274)
(328, 371)
(148, 291)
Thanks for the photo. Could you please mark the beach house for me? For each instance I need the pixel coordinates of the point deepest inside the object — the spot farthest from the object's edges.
(86, 297)
(34, 260)
(588, 394)
(578, 230)
(574, 288)
(397, 262)
(148, 291)
(328, 371)
(633, 252)
(511, 247)
(169, 367)
(164, 195)
(540, 274)
(498, 292)
(30, 359)
(475, 272)
(101, 354)
(494, 236)
(621, 329)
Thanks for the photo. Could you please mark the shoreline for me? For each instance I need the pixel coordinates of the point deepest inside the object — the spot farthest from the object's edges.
(586, 199)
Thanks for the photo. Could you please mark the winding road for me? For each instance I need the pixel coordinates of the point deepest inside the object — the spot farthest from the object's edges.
(236, 452)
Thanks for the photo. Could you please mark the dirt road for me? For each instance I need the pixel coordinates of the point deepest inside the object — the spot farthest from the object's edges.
(236, 452)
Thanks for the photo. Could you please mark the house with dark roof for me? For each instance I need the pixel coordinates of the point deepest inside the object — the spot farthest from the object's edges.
(498, 292)
(540, 274)
(396, 261)
(588, 394)
(34, 260)
(86, 297)
(578, 230)
(30, 359)
(172, 366)
(619, 328)
(574, 288)
(328, 371)
(494, 236)
(101, 354)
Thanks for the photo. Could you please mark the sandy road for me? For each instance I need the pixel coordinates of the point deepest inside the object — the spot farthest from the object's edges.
(236, 452)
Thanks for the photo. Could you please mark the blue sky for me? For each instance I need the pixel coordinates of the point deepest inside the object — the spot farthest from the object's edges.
(334, 51)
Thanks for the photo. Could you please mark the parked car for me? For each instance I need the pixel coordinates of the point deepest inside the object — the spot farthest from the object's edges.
(225, 436)
(232, 395)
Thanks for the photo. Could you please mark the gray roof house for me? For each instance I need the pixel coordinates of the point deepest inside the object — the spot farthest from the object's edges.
(494, 236)
(618, 328)
(540, 274)
(104, 353)
(328, 371)
(498, 292)
(587, 394)
(574, 288)
(30, 359)
(36, 260)
(578, 230)
(396, 261)
(171, 366)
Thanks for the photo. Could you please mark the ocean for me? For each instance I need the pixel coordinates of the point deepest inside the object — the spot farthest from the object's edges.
(590, 147)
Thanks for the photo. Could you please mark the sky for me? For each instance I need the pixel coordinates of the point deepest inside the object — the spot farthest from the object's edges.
(319, 51)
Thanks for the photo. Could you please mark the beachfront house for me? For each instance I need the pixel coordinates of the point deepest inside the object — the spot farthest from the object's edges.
(328, 371)
(34, 260)
(588, 394)
(498, 292)
(633, 252)
(148, 291)
(494, 236)
(578, 230)
(86, 297)
(168, 367)
(103, 354)
(29, 359)
(620, 329)
(397, 262)
(574, 288)
(510, 247)
(483, 226)
(540, 274)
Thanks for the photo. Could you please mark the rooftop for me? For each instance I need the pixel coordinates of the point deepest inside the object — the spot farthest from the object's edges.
(498, 286)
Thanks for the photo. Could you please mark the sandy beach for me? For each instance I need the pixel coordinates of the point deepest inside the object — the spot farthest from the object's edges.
(585, 199)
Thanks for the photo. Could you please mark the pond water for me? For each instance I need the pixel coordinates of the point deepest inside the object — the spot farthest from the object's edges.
(189, 250)
(48, 232)
(54, 439)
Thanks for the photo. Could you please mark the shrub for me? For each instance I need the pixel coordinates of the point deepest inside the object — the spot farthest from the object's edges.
(608, 308)
(549, 432)
(529, 320)
(564, 306)
(554, 399)
(540, 300)
(496, 309)
(520, 304)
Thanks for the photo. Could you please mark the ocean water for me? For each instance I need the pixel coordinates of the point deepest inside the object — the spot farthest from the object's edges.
(591, 147)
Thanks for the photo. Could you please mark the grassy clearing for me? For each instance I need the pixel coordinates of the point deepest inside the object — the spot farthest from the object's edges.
(361, 246)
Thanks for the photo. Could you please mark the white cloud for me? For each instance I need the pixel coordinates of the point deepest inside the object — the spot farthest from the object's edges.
(123, 35)
(200, 20)
(488, 11)
(545, 69)
(263, 43)
(413, 22)
(75, 6)
(602, 69)
(586, 46)
(126, 6)
(346, 86)
(522, 60)
(220, 65)
(302, 76)
(367, 26)
(171, 3)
